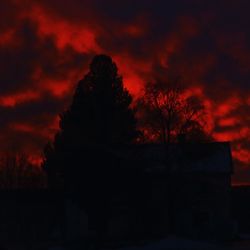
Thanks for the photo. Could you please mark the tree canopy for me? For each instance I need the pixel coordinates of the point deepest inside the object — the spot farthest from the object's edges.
(166, 113)
(99, 118)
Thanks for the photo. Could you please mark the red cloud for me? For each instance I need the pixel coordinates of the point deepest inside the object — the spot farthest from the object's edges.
(14, 99)
(47, 46)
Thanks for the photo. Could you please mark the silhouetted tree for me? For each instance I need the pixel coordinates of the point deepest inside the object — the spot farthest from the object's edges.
(100, 116)
(99, 119)
(16, 172)
(166, 113)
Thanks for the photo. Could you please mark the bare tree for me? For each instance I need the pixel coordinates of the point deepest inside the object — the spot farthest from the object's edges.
(165, 112)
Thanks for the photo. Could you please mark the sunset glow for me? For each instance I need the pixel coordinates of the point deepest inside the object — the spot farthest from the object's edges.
(47, 46)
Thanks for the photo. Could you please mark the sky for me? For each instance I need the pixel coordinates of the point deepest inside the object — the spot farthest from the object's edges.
(47, 45)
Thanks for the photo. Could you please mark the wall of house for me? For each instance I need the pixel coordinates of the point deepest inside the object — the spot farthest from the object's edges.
(203, 206)
(194, 205)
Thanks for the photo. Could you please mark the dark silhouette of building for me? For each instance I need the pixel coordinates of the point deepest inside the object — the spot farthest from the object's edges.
(150, 194)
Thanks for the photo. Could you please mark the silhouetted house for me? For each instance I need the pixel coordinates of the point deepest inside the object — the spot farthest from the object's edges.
(183, 189)
(201, 190)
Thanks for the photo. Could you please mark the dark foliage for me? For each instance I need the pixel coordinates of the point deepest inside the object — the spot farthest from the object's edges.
(16, 172)
(167, 113)
(99, 119)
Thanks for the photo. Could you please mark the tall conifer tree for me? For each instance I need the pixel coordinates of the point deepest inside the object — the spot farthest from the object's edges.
(99, 119)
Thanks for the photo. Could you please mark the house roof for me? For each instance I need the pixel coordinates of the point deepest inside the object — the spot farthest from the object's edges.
(212, 157)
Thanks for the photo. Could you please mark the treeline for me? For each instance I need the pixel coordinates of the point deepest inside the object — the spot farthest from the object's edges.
(17, 172)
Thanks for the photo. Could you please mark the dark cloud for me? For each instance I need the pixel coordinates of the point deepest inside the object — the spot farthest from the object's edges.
(29, 111)
(29, 53)
(31, 124)
(9, 13)
(33, 63)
